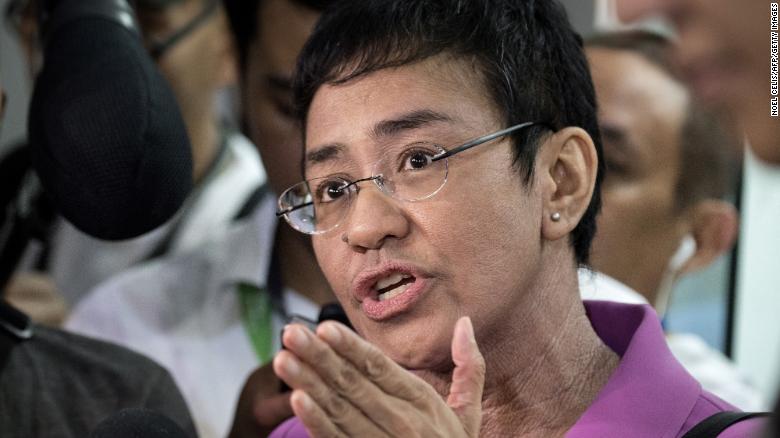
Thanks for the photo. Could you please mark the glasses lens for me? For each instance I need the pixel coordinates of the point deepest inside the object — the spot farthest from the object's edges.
(409, 173)
(317, 205)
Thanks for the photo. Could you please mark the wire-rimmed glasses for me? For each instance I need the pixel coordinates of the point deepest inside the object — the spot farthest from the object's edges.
(411, 172)
(157, 48)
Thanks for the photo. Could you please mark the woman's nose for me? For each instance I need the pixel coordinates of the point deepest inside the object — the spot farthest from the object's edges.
(374, 216)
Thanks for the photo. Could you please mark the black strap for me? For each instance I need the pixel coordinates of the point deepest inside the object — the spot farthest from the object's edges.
(251, 202)
(15, 327)
(713, 425)
(7, 343)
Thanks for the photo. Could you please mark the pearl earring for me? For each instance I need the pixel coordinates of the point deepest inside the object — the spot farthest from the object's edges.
(555, 217)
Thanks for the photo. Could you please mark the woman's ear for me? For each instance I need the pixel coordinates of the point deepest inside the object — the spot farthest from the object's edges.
(714, 226)
(568, 167)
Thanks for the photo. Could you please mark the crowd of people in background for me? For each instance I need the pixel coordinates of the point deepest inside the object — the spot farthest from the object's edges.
(630, 139)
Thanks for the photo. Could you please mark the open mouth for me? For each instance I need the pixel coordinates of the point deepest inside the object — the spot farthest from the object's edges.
(393, 285)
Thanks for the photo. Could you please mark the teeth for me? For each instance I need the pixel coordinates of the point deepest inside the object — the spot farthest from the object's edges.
(393, 292)
(387, 281)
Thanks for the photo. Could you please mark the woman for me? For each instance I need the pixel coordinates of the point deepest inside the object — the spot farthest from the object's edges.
(451, 191)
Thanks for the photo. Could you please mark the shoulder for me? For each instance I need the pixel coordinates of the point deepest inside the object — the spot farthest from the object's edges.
(56, 352)
(144, 293)
(246, 159)
(708, 405)
(715, 371)
(292, 428)
(72, 382)
(730, 424)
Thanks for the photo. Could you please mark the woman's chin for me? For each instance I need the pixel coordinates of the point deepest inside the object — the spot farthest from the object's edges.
(419, 356)
(419, 342)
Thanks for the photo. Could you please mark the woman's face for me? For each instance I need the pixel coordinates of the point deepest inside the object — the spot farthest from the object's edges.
(472, 249)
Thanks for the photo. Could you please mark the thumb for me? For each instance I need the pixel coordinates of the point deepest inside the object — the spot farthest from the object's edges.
(468, 378)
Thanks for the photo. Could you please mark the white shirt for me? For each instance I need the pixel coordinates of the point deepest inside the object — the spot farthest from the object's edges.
(80, 262)
(716, 373)
(185, 313)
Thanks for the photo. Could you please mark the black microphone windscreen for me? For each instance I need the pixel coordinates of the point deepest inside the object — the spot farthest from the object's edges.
(138, 423)
(334, 311)
(106, 135)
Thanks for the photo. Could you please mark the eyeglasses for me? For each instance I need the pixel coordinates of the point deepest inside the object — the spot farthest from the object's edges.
(19, 10)
(411, 172)
(158, 48)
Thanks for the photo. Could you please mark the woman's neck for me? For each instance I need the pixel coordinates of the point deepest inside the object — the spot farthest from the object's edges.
(299, 269)
(541, 390)
(545, 363)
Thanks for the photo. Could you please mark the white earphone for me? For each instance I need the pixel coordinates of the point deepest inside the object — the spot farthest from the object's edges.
(684, 252)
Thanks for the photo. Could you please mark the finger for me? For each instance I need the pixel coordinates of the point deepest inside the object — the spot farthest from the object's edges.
(340, 410)
(468, 377)
(313, 417)
(343, 378)
(372, 363)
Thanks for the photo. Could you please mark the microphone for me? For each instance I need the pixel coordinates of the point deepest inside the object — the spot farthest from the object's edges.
(334, 311)
(138, 423)
(329, 311)
(106, 136)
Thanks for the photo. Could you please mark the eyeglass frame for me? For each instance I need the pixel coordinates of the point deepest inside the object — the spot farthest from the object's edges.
(158, 48)
(15, 9)
(440, 156)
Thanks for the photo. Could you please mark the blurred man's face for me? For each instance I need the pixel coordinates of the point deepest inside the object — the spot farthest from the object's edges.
(196, 65)
(641, 113)
(284, 27)
(724, 52)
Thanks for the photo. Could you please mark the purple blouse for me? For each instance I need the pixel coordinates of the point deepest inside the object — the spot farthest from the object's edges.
(648, 395)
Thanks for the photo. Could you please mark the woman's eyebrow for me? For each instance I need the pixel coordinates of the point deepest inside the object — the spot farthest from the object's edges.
(406, 122)
(383, 129)
(325, 153)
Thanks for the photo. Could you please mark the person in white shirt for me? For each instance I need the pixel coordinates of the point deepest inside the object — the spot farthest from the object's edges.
(213, 315)
(191, 44)
(669, 164)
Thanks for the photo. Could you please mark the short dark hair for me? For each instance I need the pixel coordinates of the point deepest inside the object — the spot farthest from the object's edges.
(707, 161)
(527, 53)
(243, 17)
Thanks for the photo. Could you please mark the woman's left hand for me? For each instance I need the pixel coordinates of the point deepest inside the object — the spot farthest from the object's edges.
(344, 386)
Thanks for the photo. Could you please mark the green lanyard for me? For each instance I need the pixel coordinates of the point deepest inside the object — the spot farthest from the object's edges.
(256, 313)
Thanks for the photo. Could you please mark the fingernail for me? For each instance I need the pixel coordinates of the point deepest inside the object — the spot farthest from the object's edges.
(304, 400)
(469, 330)
(291, 366)
(298, 338)
(331, 333)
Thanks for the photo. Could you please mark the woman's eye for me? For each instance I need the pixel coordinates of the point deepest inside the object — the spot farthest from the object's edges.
(330, 191)
(416, 160)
